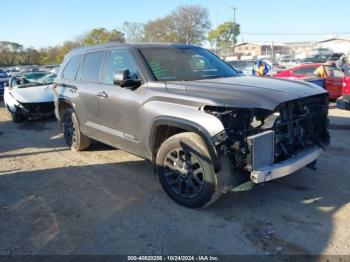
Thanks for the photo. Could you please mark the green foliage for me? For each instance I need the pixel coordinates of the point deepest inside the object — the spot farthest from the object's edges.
(102, 35)
(187, 24)
(225, 35)
(160, 30)
(134, 32)
(14, 54)
(10, 52)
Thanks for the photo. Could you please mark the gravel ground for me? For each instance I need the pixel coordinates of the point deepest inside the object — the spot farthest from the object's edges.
(106, 201)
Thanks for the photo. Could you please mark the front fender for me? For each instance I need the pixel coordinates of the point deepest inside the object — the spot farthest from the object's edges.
(189, 118)
(10, 102)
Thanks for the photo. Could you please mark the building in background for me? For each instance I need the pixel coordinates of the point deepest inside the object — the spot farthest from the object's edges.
(249, 50)
(337, 44)
(291, 51)
(301, 50)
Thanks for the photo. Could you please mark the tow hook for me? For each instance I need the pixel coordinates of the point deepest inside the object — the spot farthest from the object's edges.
(312, 165)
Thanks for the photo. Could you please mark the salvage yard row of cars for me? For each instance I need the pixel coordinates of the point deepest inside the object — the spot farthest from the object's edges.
(27, 93)
(206, 128)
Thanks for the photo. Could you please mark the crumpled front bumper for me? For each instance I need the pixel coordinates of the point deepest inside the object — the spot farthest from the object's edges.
(343, 103)
(287, 167)
(36, 110)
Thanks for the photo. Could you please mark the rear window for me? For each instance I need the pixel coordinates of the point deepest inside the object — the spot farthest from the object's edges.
(71, 68)
(334, 72)
(90, 71)
(305, 71)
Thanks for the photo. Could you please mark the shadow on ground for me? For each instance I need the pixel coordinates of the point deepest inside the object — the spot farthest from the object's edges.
(120, 209)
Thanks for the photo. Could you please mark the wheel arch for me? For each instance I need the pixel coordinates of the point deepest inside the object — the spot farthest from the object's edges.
(62, 104)
(181, 125)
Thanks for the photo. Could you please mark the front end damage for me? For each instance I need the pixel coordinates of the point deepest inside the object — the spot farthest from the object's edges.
(262, 145)
(36, 110)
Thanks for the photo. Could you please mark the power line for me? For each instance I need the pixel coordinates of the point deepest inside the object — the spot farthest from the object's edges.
(275, 33)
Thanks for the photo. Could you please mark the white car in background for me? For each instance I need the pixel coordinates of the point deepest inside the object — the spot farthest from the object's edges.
(29, 95)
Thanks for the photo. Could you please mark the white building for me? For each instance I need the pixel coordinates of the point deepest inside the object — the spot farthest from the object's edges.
(301, 50)
(337, 44)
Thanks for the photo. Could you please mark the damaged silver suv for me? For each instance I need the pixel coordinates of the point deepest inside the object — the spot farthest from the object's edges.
(206, 128)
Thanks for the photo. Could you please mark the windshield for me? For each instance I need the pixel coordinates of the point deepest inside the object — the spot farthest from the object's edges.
(32, 79)
(184, 64)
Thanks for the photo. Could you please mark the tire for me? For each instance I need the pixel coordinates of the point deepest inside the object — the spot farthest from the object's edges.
(186, 171)
(71, 130)
(17, 116)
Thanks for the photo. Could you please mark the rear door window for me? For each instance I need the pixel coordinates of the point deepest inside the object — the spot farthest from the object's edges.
(90, 71)
(71, 68)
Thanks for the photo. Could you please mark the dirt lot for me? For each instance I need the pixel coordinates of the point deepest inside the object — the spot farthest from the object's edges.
(105, 201)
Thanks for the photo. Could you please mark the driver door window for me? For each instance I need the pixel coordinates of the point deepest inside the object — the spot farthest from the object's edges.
(120, 60)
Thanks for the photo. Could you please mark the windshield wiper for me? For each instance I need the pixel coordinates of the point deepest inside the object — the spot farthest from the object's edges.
(32, 84)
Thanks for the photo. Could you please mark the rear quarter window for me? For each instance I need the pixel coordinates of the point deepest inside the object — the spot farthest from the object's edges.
(71, 69)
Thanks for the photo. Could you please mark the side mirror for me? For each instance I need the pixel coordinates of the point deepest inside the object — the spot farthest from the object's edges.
(123, 79)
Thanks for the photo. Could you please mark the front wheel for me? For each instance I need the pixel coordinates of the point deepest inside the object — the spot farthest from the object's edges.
(76, 140)
(17, 116)
(186, 171)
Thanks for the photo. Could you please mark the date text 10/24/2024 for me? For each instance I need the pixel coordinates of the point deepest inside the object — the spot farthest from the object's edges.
(173, 258)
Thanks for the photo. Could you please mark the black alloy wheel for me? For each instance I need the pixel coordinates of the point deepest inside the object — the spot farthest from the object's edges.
(184, 173)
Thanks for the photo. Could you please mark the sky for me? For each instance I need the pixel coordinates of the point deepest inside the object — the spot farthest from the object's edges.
(41, 23)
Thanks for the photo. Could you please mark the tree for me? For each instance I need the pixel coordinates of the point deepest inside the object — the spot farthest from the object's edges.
(191, 23)
(187, 24)
(134, 32)
(49, 55)
(161, 30)
(66, 47)
(225, 35)
(30, 56)
(10, 53)
(102, 35)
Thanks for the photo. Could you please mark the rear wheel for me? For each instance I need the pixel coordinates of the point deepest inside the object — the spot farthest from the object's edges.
(71, 130)
(186, 172)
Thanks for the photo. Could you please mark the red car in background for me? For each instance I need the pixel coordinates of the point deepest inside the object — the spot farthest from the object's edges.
(334, 81)
(343, 102)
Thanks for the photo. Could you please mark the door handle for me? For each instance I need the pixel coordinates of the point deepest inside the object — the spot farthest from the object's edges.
(71, 88)
(102, 94)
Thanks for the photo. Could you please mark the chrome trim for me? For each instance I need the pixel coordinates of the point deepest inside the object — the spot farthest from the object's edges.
(287, 167)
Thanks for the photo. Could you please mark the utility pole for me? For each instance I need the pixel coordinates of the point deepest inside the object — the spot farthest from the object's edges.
(217, 13)
(234, 23)
(217, 24)
(234, 13)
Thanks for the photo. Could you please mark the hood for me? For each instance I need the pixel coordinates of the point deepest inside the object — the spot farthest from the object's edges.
(249, 91)
(35, 94)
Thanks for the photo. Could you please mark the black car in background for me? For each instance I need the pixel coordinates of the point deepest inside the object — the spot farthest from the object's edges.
(3, 80)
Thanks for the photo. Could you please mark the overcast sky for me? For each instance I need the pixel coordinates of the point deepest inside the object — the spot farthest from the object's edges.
(40, 23)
